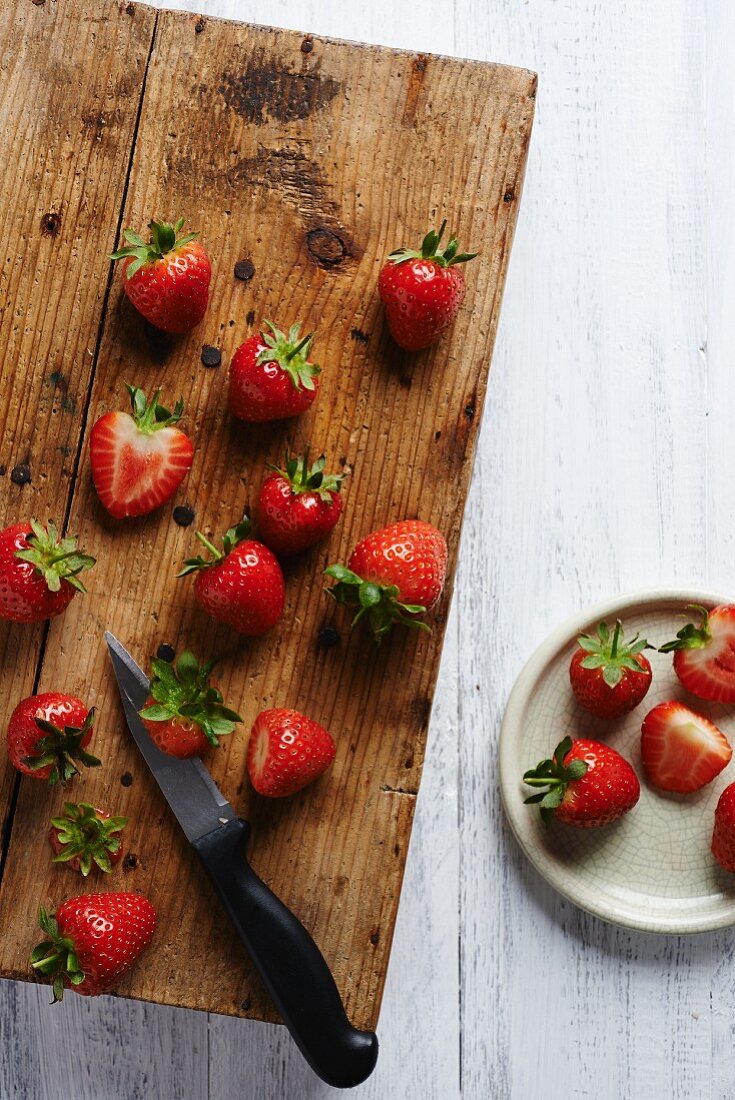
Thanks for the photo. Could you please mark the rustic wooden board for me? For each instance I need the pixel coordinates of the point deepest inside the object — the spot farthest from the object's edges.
(311, 158)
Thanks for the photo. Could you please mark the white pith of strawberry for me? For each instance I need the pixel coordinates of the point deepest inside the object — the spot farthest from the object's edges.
(139, 460)
(681, 750)
(704, 654)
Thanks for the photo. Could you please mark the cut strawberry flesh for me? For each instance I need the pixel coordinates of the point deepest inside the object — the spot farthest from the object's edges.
(682, 751)
(136, 472)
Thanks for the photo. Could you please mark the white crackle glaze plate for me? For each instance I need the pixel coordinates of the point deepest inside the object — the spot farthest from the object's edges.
(652, 870)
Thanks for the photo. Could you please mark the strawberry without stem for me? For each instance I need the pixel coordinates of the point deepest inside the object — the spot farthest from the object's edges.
(423, 291)
(39, 572)
(92, 941)
(286, 751)
(271, 376)
(84, 837)
(139, 461)
(48, 734)
(298, 505)
(681, 750)
(242, 584)
(185, 715)
(589, 784)
(392, 575)
(610, 676)
(704, 654)
(166, 278)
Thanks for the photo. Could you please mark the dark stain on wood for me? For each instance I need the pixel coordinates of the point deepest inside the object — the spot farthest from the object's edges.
(414, 89)
(199, 25)
(250, 317)
(51, 223)
(420, 709)
(266, 91)
(360, 336)
(299, 181)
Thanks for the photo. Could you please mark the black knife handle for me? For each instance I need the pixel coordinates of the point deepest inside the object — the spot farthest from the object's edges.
(290, 963)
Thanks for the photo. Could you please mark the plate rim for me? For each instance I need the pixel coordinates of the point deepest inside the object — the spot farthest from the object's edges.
(556, 876)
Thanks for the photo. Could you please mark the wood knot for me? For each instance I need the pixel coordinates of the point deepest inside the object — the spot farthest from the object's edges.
(38, 3)
(326, 247)
(130, 9)
(199, 25)
(509, 195)
(51, 223)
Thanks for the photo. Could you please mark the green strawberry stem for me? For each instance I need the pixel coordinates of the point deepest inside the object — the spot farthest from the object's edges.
(85, 835)
(62, 749)
(291, 353)
(302, 479)
(184, 692)
(556, 776)
(612, 655)
(55, 957)
(149, 416)
(691, 636)
(54, 558)
(430, 251)
(164, 239)
(377, 604)
(230, 539)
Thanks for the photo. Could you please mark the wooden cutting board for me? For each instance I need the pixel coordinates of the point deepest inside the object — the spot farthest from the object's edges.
(310, 159)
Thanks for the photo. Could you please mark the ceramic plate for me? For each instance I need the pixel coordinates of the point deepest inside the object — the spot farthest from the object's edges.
(652, 870)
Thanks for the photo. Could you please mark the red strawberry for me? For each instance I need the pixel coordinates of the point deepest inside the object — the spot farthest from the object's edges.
(84, 837)
(704, 654)
(48, 734)
(286, 751)
(39, 572)
(139, 461)
(92, 941)
(393, 575)
(271, 377)
(298, 506)
(423, 291)
(609, 676)
(723, 835)
(166, 278)
(242, 585)
(184, 715)
(681, 750)
(589, 784)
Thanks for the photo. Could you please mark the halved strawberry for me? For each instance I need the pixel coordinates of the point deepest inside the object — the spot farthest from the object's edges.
(139, 461)
(704, 654)
(681, 750)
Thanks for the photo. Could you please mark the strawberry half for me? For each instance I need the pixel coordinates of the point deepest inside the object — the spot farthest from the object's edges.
(588, 784)
(83, 837)
(704, 654)
(139, 461)
(185, 714)
(723, 834)
(422, 291)
(286, 751)
(166, 278)
(609, 675)
(92, 941)
(681, 750)
(39, 572)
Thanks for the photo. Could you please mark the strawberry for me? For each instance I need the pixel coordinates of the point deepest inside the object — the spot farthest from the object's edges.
(589, 784)
(286, 751)
(92, 941)
(393, 575)
(48, 734)
(166, 278)
(241, 585)
(39, 572)
(139, 461)
(298, 506)
(609, 676)
(723, 834)
(704, 654)
(271, 377)
(84, 837)
(682, 750)
(185, 715)
(423, 291)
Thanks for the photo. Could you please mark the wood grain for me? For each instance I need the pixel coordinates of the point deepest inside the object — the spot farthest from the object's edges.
(283, 173)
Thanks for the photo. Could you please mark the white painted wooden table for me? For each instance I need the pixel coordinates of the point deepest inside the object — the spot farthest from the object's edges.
(603, 466)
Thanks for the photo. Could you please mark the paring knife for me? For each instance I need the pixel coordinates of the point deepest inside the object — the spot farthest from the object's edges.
(290, 963)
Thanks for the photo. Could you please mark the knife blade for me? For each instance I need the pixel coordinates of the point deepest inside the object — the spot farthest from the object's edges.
(290, 963)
